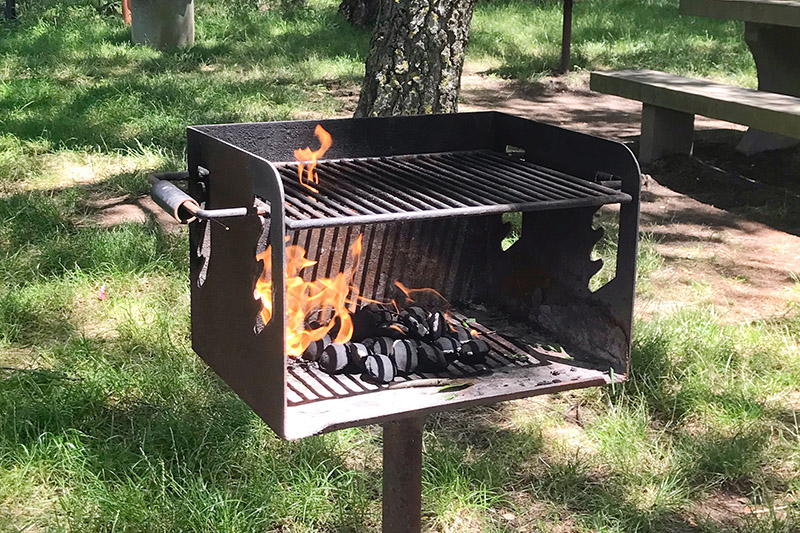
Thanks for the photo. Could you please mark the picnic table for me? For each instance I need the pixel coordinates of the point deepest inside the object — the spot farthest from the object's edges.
(772, 32)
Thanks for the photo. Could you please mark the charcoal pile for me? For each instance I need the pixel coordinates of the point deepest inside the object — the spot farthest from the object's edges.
(387, 343)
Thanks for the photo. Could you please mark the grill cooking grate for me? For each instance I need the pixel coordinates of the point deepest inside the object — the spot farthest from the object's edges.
(449, 184)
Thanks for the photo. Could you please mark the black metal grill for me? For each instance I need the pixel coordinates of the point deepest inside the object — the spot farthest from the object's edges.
(425, 195)
(452, 184)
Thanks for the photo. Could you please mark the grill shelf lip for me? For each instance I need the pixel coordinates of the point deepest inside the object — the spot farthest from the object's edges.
(371, 190)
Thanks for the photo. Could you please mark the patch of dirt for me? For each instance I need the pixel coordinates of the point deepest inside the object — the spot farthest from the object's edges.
(109, 212)
(720, 508)
(726, 224)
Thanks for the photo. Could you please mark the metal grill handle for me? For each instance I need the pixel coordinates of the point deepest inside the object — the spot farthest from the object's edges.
(182, 207)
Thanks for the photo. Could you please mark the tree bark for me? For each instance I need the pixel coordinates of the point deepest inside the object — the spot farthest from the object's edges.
(360, 13)
(416, 58)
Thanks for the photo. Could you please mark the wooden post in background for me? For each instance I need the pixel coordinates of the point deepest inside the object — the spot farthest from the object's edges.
(566, 37)
(11, 9)
(162, 24)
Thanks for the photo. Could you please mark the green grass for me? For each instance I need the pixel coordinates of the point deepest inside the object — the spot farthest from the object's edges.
(109, 422)
(522, 39)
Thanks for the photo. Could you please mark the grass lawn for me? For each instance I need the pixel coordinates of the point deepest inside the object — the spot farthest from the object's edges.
(109, 422)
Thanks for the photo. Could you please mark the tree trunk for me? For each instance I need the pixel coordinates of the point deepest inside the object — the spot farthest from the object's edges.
(360, 13)
(416, 58)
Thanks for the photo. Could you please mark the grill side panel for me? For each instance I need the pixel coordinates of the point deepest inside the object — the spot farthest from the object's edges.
(223, 272)
(583, 156)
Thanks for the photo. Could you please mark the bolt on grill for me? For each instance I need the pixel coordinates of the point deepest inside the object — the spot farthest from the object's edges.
(427, 196)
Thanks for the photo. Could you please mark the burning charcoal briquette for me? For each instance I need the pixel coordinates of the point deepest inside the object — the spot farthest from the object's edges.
(385, 317)
(365, 323)
(474, 352)
(337, 325)
(395, 330)
(381, 345)
(338, 358)
(461, 334)
(334, 359)
(315, 349)
(450, 347)
(431, 358)
(372, 320)
(416, 320)
(378, 368)
(404, 356)
(437, 326)
(373, 306)
(357, 352)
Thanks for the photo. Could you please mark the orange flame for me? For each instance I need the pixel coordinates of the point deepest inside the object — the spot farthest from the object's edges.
(303, 298)
(306, 155)
(428, 296)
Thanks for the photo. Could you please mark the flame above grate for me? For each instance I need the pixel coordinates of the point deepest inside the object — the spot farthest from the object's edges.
(450, 184)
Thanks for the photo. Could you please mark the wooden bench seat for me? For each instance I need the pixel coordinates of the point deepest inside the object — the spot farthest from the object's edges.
(669, 103)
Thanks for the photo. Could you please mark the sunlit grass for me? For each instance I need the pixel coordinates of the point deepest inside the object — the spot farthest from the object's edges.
(522, 39)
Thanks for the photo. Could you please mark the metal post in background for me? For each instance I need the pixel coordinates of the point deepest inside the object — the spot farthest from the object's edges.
(566, 37)
(402, 475)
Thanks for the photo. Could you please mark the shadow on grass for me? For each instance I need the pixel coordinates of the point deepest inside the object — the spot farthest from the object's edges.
(163, 444)
(150, 435)
(51, 252)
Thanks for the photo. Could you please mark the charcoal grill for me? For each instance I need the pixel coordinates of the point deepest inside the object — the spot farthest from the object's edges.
(428, 194)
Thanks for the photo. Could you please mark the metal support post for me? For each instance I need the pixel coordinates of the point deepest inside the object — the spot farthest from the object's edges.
(402, 475)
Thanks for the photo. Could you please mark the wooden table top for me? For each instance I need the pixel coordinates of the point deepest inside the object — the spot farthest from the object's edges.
(777, 12)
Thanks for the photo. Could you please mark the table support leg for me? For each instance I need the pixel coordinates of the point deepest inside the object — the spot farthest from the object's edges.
(402, 475)
(664, 131)
(777, 56)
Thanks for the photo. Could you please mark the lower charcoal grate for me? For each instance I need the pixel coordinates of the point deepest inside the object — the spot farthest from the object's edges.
(308, 384)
